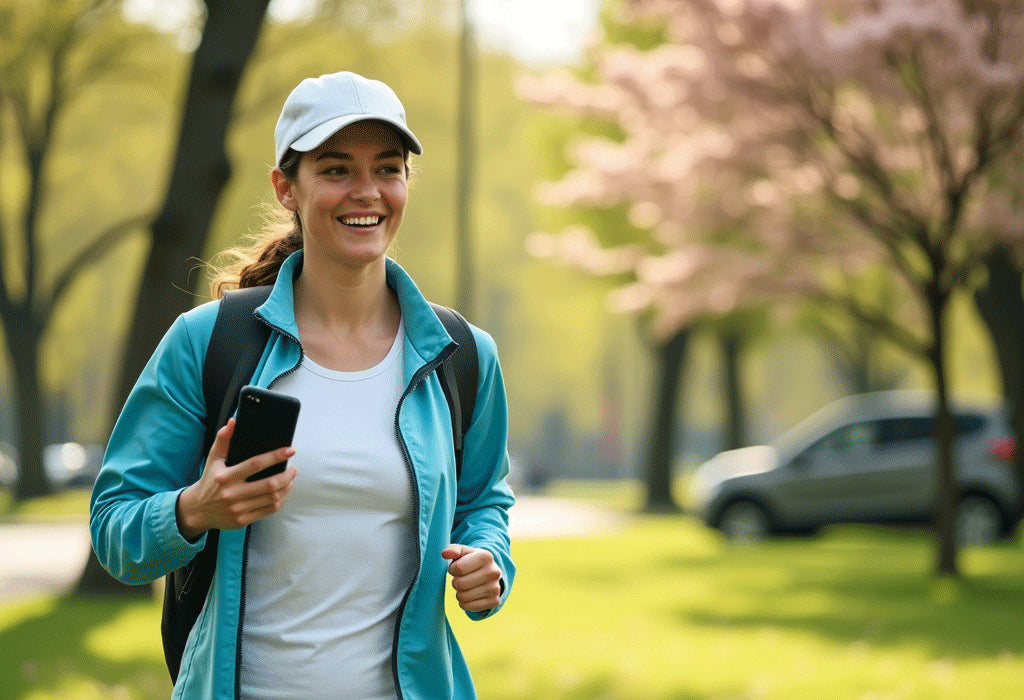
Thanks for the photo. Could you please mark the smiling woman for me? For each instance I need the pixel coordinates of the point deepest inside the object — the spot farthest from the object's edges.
(309, 613)
(349, 196)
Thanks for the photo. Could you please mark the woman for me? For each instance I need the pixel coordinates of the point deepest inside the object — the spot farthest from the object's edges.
(330, 575)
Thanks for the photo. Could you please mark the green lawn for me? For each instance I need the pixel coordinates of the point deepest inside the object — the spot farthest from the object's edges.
(661, 609)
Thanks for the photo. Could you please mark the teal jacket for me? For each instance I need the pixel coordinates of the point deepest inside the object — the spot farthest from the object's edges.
(155, 451)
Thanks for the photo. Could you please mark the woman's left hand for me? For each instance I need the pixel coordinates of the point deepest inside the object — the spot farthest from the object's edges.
(476, 578)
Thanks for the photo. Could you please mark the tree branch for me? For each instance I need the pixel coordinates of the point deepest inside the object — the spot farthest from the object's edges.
(866, 164)
(941, 150)
(885, 326)
(887, 234)
(91, 253)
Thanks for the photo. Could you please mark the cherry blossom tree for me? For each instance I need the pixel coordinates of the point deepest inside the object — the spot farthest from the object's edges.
(681, 276)
(821, 146)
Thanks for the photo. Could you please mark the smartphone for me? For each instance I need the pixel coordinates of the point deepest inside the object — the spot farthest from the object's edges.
(265, 421)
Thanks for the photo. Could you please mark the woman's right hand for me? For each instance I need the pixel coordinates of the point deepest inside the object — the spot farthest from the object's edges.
(222, 499)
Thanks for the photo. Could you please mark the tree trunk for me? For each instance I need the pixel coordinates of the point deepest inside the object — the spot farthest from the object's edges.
(736, 425)
(201, 169)
(23, 345)
(945, 488)
(669, 361)
(1001, 306)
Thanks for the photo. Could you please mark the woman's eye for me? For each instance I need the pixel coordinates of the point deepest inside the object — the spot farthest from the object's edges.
(336, 170)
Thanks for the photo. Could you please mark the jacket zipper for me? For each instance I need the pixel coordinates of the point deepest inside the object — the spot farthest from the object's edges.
(248, 528)
(417, 379)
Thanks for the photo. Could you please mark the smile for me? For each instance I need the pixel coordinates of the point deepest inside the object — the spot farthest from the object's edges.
(361, 220)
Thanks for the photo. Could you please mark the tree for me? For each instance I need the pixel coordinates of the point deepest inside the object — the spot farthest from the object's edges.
(200, 171)
(178, 235)
(1001, 306)
(857, 138)
(52, 57)
(673, 273)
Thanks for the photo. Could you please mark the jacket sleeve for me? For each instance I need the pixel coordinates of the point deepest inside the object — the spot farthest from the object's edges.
(484, 495)
(154, 452)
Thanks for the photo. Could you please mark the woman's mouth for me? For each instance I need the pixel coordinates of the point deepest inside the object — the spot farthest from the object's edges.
(365, 221)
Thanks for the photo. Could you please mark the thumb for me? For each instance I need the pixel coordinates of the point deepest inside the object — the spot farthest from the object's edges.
(455, 551)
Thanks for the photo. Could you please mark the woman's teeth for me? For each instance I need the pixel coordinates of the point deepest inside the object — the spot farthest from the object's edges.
(360, 220)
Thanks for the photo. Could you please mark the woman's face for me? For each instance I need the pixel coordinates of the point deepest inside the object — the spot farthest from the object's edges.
(349, 194)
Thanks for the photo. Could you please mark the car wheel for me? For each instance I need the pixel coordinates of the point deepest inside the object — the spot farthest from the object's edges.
(743, 521)
(976, 520)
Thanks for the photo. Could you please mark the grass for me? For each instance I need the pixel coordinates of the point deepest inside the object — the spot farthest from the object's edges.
(665, 610)
(72, 504)
(661, 609)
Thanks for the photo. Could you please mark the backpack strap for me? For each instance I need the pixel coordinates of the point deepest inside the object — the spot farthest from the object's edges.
(459, 370)
(236, 345)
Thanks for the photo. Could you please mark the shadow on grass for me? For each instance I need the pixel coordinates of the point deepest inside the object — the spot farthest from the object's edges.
(574, 684)
(56, 653)
(867, 586)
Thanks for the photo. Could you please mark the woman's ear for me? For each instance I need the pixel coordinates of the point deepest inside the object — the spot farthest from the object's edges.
(283, 189)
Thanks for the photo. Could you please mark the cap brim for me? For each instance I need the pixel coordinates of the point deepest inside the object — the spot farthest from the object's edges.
(316, 136)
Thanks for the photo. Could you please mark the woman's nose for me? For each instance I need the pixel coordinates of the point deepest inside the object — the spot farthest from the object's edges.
(364, 187)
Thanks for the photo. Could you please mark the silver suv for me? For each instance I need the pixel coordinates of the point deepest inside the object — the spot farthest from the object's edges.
(866, 459)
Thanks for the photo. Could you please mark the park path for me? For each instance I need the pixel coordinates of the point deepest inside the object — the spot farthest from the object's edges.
(41, 558)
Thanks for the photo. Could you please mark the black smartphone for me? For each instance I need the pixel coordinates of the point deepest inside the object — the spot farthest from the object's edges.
(265, 421)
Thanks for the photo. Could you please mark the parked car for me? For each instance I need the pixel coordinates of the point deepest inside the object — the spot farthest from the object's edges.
(67, 464)
(8, 465)
(72, 464)
(867, 459)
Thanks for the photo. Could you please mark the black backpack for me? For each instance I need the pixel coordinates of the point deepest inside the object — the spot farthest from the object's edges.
(236, 346)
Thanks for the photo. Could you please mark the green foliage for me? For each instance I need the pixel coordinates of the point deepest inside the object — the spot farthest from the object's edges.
(562, 351)
(643, 34)
(111, 143)
(660, 609)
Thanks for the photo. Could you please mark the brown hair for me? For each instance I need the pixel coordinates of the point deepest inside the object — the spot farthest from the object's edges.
(259, 262)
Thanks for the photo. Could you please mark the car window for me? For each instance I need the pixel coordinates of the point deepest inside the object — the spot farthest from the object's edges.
(967, 423)
(853, 436)
(909, 428)
(894, 431)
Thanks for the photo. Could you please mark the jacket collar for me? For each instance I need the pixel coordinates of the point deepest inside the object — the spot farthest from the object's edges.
(424, 330)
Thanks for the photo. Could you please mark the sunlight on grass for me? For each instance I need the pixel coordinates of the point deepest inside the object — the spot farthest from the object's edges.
(665, 609)
(662, 609)
(619, 494)
(80, 649)
(128, 635)
(73, 504)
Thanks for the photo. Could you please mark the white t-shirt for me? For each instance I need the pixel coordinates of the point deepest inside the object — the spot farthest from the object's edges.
(326, 574)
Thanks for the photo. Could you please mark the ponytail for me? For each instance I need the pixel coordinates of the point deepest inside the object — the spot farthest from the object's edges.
(258, 263)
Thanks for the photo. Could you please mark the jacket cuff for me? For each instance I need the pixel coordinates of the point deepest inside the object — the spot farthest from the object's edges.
(164, 513)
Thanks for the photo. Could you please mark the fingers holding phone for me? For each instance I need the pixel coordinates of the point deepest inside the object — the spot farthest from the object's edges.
(266, 422)
(247, 476)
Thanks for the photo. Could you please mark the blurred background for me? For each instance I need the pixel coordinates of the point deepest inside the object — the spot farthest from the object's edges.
(688, 226)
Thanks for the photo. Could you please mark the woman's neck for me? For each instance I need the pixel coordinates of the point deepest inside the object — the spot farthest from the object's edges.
(347, 319)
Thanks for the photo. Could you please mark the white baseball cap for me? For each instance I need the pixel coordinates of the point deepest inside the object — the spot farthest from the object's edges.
(319, 107)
